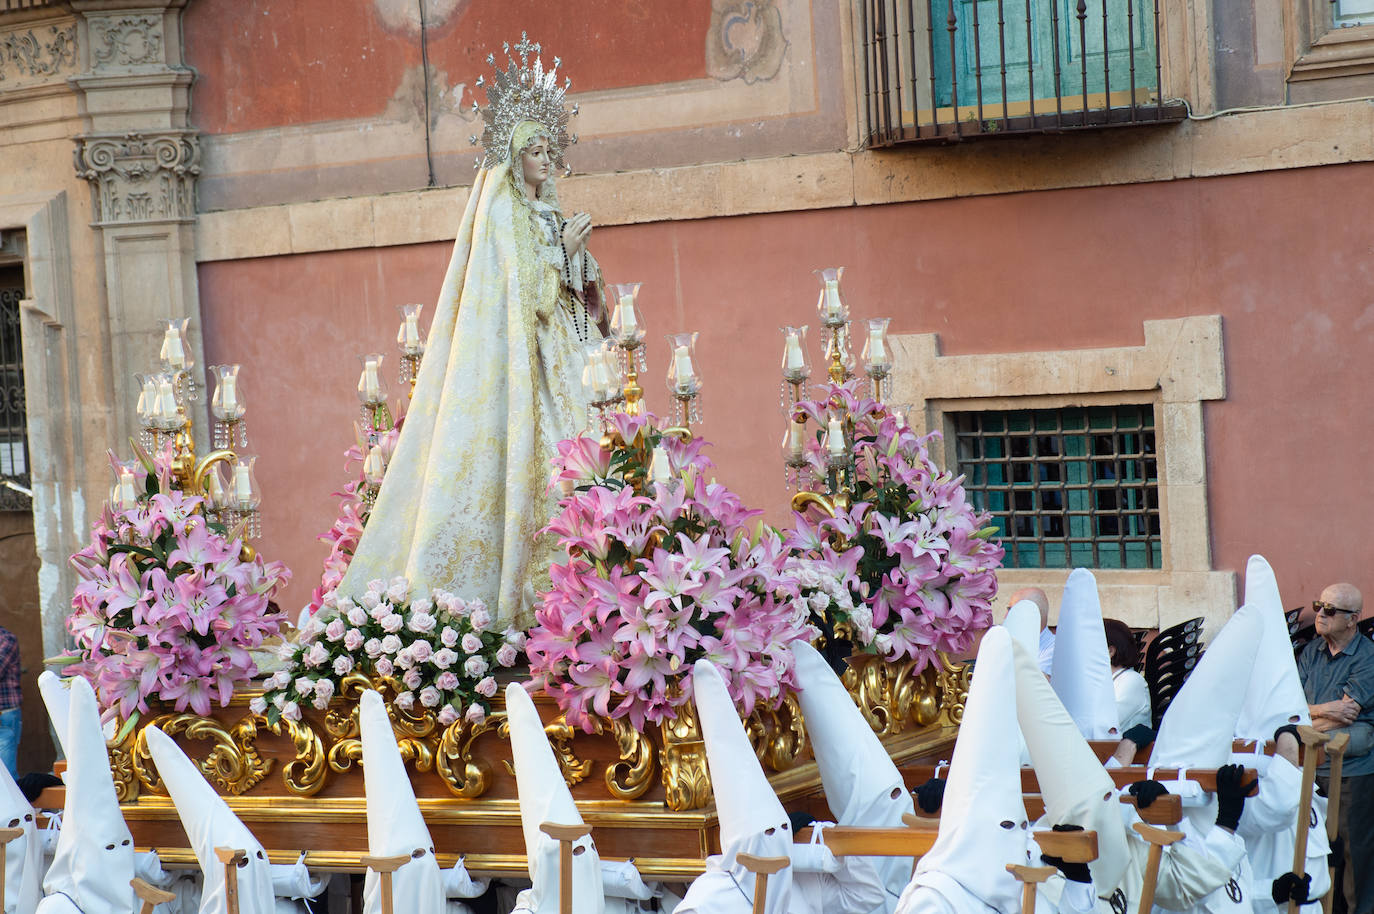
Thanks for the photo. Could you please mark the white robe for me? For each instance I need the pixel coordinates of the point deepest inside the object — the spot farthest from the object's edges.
(821, 884)
(1269, 828)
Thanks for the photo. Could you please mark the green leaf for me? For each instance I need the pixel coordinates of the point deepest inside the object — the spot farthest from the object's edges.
(127, 728)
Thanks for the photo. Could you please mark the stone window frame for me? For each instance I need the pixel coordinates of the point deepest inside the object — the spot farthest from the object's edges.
(1180, 366)
(1318, 49)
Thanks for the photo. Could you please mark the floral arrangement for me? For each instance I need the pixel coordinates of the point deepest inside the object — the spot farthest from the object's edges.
(436, 652)
(167, 608)
(354, 509)
(658, 575)
(909, 568)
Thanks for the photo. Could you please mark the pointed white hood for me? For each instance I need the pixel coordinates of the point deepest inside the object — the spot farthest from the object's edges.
(1082, 670)
(983, 822)
(1076, 789)
(210, 823)
(23, 855)
(94, 859)
(395, 826)
(752, 820)
(862, 785)
(57, 698)
(544, 797)
(1275, 696)
(1199, 727)
(1023, 621)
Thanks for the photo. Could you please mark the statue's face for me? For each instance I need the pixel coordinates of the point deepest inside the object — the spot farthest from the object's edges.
(535, 162)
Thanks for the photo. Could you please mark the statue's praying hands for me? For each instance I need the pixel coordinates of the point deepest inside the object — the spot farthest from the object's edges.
(576, 231)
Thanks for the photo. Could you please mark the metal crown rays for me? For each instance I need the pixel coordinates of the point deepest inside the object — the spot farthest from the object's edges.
(524, 92)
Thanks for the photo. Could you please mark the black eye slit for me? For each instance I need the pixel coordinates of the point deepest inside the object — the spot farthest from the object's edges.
(785, 826)
(28, 817)
(1008, 824)
(1025, 825)
(109, 847)
(261, 855)
(579, 851)
(896, 792)
(124, 843)
(242, 863)
(417, 853)
(769, 831)
(1107, 795)
(14, 822)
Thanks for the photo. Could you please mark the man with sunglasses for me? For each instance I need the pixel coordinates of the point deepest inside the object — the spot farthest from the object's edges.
(1337, 672)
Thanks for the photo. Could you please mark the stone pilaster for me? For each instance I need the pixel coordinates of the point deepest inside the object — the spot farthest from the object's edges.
(141, 159)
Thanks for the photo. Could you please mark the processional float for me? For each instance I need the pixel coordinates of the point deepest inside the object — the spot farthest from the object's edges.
(280, 738)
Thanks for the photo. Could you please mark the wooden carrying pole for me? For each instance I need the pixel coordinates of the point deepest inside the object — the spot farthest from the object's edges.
(565, 835)
(1030, 877)
(385, 867)
(1335, 751)
(150, 896)
(232, 860)
(762, 868)
(1158, 839)
(6, 836)
(1311, 738)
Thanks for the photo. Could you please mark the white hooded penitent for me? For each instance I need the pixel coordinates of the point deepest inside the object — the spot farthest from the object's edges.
(862, 785)
(1023, 621)
(752, 820)
(23, 855)
(94, 859)
(983, 822)
(1082, 671)
(1274, 696)
(57, 698)
(394, 825)
(545, 798)
(1199, 727)
(210, 823)
(1076, 789)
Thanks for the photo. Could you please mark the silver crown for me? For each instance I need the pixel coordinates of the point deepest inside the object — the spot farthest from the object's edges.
(523, 92)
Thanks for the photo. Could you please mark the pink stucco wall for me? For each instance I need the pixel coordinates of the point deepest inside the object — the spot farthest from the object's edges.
(1283, 256)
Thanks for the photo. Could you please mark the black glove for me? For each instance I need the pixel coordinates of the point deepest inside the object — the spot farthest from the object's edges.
(1291, 887)
(1231, 795)
(1287, 728)
(1074, 872)
(1146, 792)
(930, 795)
(1140, 734)
(1337, 856)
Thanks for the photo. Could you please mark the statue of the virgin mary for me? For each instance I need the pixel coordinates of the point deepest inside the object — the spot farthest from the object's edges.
(501, 382)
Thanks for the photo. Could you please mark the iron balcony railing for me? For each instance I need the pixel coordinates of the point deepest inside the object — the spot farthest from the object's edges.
(945, 70)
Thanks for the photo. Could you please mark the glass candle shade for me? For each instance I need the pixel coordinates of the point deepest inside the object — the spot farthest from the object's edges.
(124, 495)
(683, 379)
(877, 356)
(829, 305)
(627, 329)
(175, 354)
(796, 362)
(371, 383)
(410, 336)
(226, 404)
(244, 495)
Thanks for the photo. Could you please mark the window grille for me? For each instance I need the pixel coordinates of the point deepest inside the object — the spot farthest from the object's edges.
(14, 438)
(1066, 488)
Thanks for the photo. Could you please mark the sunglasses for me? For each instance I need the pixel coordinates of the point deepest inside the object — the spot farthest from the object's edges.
(1330, 609)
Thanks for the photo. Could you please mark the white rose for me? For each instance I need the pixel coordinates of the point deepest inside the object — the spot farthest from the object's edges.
(472, 643)
(305, 686)
(475, 666)
(405, 700)
(391, 644)
(343, 665)
(392, 622)
(258, 705)
(506, 655)
(357, 616)
(487, 687)
(430, 697)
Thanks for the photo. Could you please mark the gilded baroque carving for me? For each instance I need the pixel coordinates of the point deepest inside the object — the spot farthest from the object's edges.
(233, 764)
(745, 40)
(125, 41)
(895, 697)
(141, 177)
(31, 55)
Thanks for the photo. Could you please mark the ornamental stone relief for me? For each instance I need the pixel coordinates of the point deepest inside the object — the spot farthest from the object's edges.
(141, 177)
(125, 41)
(745, 40)
(36, 54)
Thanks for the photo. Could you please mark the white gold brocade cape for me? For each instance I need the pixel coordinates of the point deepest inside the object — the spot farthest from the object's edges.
(499, 387)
